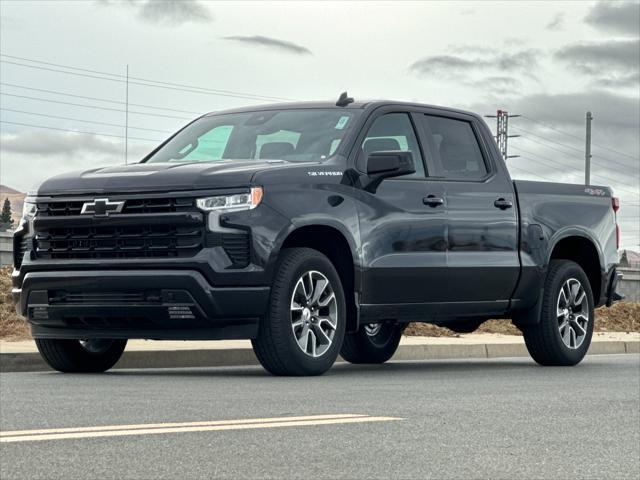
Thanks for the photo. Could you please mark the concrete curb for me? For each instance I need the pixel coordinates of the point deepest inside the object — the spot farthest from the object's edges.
(226, 357)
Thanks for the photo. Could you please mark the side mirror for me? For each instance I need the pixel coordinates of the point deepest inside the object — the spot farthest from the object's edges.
(381, 165)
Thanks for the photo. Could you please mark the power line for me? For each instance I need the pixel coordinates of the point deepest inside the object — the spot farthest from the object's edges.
(572, 158)
(565, 146)
(43, 90)
(560, 166)
(77, 131)
(147, 82)
(555, 164)
(117, 75)
(83, 120)
(577, 137)
(93, 106)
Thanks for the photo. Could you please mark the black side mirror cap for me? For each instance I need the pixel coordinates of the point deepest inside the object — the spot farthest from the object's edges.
(387, 164)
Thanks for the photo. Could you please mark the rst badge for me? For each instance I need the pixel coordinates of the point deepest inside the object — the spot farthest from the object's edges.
(101, 207)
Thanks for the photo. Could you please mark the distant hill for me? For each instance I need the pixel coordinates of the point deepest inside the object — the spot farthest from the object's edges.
(16, 198)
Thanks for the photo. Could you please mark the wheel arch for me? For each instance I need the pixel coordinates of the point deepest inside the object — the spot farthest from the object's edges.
(339, 247)
(581, 248)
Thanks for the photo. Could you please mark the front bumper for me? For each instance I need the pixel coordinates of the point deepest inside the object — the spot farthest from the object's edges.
(152, 304)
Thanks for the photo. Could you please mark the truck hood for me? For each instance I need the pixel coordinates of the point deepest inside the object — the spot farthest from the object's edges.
(146, 177)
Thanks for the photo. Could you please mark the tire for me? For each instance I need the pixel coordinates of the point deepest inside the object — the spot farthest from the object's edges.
(374, 343)
(76, 356)
(284, 345)
(563, 335)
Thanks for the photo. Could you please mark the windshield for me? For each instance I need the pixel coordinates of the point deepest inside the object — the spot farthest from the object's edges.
(293, 135)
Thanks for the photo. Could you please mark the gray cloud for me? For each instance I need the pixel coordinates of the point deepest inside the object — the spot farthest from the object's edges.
(594, 57)
(610, 63)
(619, 17)
(621, 81)
(612, 111)
(557, 23)
(32, 142)
(167, 12)
(51, 153)
(268, 42)
(479, 61)
(174, 12)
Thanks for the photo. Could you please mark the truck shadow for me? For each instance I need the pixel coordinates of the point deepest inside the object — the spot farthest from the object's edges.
(431, 368)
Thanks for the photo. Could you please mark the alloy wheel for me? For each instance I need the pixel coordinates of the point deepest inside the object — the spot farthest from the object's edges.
(572, 313)
(314, 313)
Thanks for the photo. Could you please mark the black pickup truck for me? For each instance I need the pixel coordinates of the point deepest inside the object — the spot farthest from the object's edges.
(313, 229)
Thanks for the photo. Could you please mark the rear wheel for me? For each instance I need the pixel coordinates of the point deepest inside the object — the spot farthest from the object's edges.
(563, 335)
(372, 343)
(303, 331)
(80, 356)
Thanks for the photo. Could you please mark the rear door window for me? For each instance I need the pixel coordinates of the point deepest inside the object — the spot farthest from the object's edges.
(455, 147)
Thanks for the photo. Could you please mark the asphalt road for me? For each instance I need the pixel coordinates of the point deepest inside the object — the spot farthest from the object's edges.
(504, 418)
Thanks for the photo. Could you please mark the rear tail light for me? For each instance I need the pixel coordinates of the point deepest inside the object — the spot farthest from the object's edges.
(615, 204)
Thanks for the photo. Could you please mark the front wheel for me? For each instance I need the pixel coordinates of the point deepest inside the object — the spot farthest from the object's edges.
(303, 331)
(563, 335)
(80, 356)
(372, 343)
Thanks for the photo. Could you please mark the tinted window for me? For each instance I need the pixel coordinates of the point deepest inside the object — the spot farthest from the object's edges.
(456, 148)
(394, 131)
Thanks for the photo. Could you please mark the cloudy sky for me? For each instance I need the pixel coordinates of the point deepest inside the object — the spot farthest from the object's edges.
(548, 61)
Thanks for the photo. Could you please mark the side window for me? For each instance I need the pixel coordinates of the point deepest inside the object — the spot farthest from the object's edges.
(456, 148)
(394, 131)
(210, 146)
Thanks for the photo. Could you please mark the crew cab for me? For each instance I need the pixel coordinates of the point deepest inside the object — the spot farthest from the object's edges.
(313, 229)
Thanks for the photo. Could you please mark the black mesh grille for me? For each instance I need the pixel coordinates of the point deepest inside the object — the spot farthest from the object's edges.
(131, 206)
(134, 241)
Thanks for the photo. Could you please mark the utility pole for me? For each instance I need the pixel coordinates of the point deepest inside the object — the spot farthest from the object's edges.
(502, 132)
(126, 121)
(587, 151)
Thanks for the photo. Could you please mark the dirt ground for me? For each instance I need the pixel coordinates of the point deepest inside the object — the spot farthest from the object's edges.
(622, 317)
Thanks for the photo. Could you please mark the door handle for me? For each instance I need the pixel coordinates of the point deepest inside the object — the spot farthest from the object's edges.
(433, 201)
(503, 204)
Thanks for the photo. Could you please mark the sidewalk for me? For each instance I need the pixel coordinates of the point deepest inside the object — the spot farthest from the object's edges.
(23, 356)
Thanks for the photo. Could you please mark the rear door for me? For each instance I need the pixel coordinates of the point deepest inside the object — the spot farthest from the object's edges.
(482, 241)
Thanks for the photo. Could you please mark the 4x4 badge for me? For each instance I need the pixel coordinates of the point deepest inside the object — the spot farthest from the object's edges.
(101, 207)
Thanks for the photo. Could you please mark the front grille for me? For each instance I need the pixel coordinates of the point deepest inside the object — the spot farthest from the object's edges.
(127, 241)
(131, 206)
(145, 228)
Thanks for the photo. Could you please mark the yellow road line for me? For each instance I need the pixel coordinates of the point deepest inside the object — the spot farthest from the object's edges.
(171, 425)
(160, 428)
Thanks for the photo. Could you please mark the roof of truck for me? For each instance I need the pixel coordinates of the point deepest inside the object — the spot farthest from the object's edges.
(356, 105)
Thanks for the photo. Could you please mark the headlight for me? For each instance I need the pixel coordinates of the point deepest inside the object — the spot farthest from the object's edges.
(28, 210)
(231, 203)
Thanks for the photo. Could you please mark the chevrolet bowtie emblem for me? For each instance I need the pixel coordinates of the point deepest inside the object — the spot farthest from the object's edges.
(101, 207)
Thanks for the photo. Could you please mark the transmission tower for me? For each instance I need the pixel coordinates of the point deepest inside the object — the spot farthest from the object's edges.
(502, 132)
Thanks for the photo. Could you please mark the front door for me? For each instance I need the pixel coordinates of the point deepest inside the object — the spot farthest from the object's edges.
(403, 227)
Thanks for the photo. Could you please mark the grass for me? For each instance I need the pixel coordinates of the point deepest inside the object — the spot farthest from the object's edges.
(622, 317)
